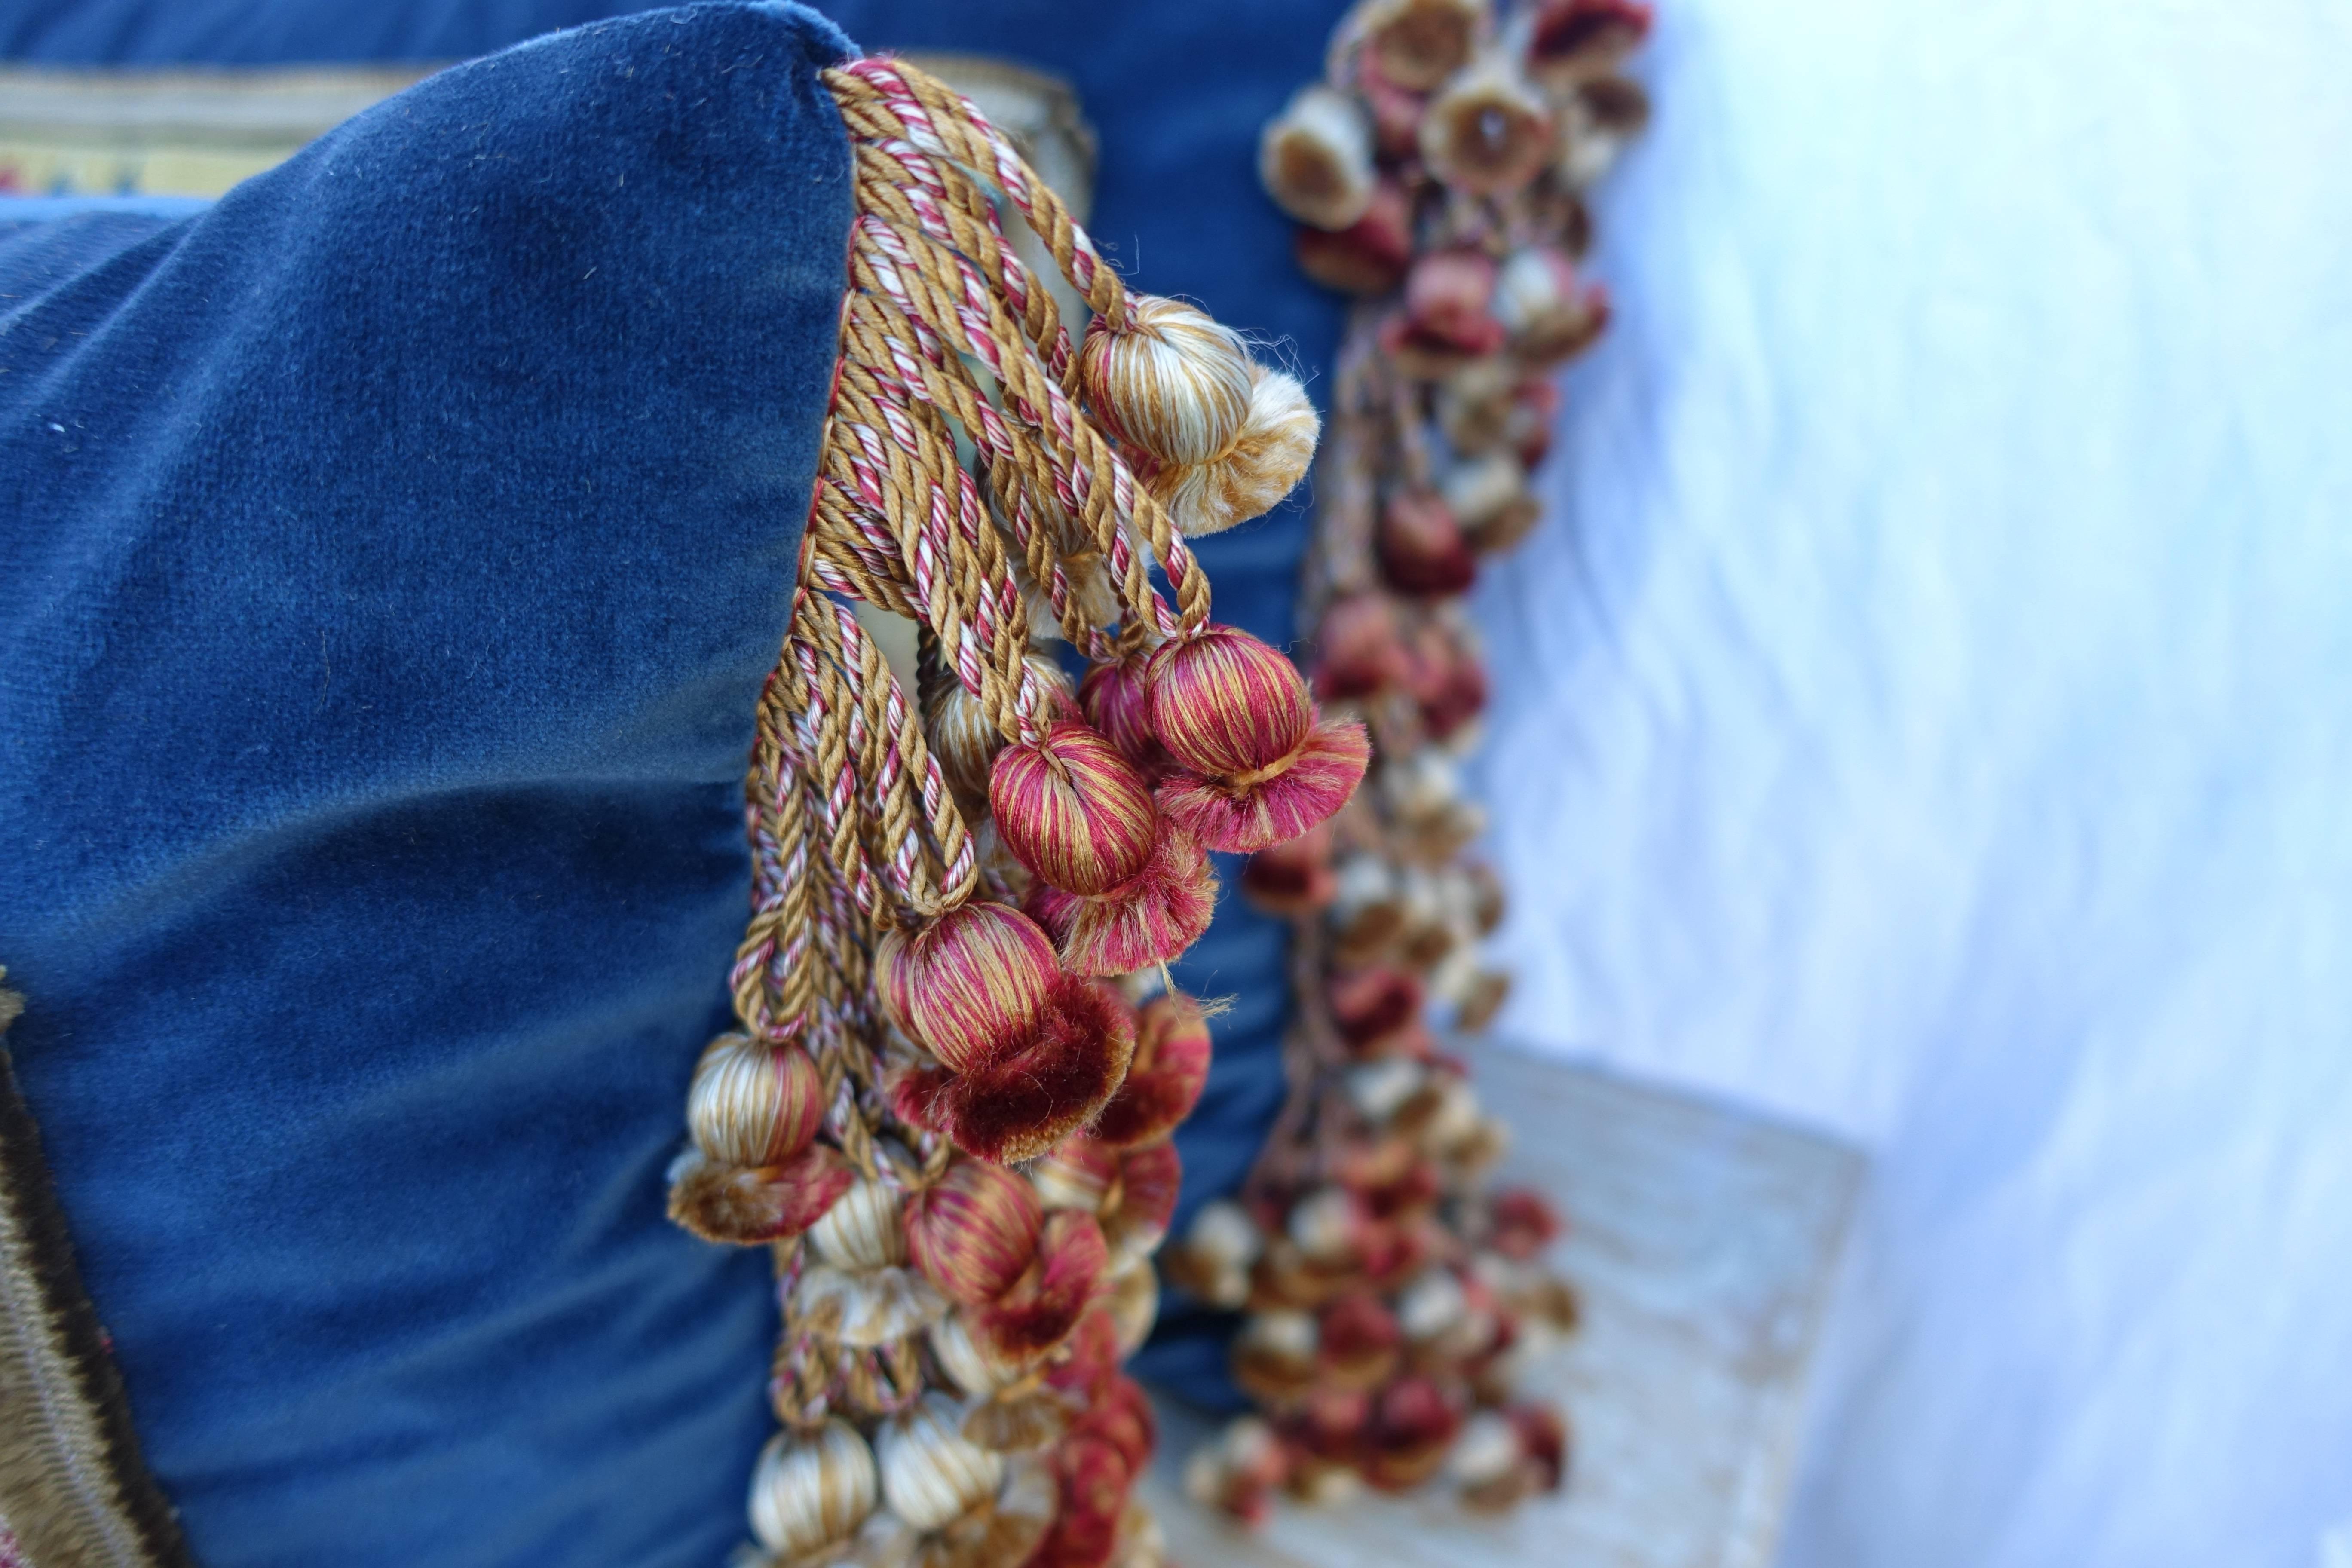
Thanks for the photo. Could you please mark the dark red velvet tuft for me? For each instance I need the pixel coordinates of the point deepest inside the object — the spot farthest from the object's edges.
(1044, 1305)
(1149, 1180)
(1148, 919)
(1357, 1324)
(1370, 256)
(1021, 1102)
(1421, 548)
(1413, 1420)
(1543, 1435)
(1164, 1080)
(1293, 879)
(1460, 696)
(1093, 1478)
(1524, 1222)
(1358, 650)
(1091, 1359)
(1121, 1416)
(1366, 1003)
(1449, 297)
(1599, 29)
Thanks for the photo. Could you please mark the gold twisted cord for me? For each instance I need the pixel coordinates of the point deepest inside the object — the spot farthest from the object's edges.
(948, 123)
(949, 547)
(1021, 475)
(1101, 489)
(846, 561)
(924, 273)
(771, 982)
(878, 331)
(912, 195)
(937, 435)
(876, 328)
(821, 709)
(904, 793)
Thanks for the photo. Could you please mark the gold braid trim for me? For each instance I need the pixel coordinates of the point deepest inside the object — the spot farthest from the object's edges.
(73, 1490)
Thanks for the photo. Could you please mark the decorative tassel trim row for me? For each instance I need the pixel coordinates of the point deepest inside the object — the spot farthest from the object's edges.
(947, 1106)
(1439, 173)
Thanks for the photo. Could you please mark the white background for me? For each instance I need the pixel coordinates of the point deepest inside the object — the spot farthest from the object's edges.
(1928, 714)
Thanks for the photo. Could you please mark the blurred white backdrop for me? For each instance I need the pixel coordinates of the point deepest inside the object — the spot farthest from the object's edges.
(1929, 715)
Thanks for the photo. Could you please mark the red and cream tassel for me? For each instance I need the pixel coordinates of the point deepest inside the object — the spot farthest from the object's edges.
(1023, 1276)
(1027, 1051)
(952, 891)
(1255, 764)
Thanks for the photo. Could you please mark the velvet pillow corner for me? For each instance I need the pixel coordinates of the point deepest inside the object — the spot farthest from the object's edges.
(390, 559)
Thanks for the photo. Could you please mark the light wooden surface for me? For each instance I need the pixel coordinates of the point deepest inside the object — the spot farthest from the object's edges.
(1706, 1244)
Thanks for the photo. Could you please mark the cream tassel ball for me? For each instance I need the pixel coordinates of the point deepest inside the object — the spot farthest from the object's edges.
(1417, 44)
(1007, 1411)
(1265, 463)
(1487, 1450)
(1490, 131)
(1381, 1089)
(862, 1230)
(1134, 1305)
(1215, 1258)
(811, 1491)
(1430, 1305)
(861, 1289)
(1314, 158)
(962, 739)
(753, 1104)
(1140, 1542)
(975, 1371)
(1325, 1223)
(1171, 380)
(931, 1476)
(1489, 497)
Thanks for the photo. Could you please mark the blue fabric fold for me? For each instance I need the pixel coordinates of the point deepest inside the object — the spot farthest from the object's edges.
(390, 557)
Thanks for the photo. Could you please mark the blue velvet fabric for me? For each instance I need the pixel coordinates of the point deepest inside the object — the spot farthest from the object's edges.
(390, 556)
(1176, 93)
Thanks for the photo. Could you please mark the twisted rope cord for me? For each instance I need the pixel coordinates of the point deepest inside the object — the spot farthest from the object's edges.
(957, 566)
(888, 102)
(906, 791)
(959, 211)
(957, 570)
(1021, 468)
(878, 491)
(880, 99)
(822, 720)
(1088, 476)
(1094, 480)
(771, 981)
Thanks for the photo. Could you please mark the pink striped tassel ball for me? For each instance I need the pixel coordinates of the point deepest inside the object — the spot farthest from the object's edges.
(1255, 766)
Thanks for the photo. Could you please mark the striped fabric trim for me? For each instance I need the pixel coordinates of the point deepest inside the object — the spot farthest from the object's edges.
(73, 1492)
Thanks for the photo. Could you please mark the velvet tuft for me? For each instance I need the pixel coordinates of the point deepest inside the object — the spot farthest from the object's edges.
(1153, 917)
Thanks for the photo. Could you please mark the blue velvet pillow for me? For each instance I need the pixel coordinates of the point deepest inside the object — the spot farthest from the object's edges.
(390, 556)
(1176, 93)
